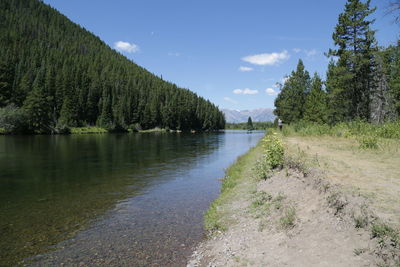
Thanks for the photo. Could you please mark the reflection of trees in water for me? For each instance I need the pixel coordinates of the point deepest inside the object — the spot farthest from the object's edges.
(52, 186)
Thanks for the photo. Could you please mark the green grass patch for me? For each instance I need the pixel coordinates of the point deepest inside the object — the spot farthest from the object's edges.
(88, 130)
(238, 183)
(287, 221)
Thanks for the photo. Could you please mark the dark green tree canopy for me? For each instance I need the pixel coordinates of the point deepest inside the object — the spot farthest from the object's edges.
(82, 80)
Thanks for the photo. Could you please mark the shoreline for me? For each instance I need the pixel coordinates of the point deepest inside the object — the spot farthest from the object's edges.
(296, 216)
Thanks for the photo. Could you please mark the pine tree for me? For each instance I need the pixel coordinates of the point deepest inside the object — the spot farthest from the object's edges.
(250, 126)
(6, 82)
(289, 104)
(356, 46)
(315, 106)
(38, 106)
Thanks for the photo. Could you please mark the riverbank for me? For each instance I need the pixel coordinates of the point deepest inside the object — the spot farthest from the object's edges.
(332, 203)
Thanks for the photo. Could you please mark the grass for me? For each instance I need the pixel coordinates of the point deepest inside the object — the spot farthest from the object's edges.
(287, 221)
(362, 158)
(88, 130)
(237, 184)
(346, 130)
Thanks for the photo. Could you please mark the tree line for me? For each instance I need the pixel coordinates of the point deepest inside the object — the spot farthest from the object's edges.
(54, 74)
(362, 80)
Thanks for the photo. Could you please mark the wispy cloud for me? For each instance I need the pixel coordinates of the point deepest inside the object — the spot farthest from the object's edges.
(271, 91)
(311, 53)
(126, 47)
(242, 68)
(174, 54)
(267, 58)
(230, 100)
(296, 50)
(245, 91)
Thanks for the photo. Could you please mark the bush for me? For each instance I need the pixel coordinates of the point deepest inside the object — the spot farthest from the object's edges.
(273, 151)
(368, 142)
(135, 127)
(13, 120)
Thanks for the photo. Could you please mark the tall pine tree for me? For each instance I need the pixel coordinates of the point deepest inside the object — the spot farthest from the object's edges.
(353, 73)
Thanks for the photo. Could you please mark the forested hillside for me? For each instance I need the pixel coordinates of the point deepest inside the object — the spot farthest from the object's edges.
(54, 74)
(363, 79)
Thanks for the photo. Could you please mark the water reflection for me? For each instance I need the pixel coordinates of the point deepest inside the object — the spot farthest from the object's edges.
(149, 192)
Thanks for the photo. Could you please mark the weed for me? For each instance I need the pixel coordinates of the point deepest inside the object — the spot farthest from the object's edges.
(277, 201)
(359, 251)
(382, 231)
(360, 221)
(273, 151)
(262, 170)
(261, 198)
(368, 142)
(337, 202)
(287, 221)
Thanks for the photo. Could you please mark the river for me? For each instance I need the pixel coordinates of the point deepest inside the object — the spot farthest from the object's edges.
(110, 199)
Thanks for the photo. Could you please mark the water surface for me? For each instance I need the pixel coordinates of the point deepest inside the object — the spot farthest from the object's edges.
(131, 199)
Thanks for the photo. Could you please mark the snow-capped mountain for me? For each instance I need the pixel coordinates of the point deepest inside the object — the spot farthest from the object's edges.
(260, 114)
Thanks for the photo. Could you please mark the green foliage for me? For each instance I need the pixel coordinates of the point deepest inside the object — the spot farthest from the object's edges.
(250, 126)
(37, 106)
(346, 129)
(274, 152)
(83, 81)
(260, 199)
(263, 170)
(315, 106)
(382, 231)
(13, 120)
(368, 142)
(287, 221)
(88, 130)
(289, 103)
(356, 47)
(256, 125)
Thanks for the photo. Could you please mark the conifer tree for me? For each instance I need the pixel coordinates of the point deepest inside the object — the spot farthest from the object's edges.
(38, 106)
(315, 106)
(289, 104)
(356, 45)
(6, 82)
(250, 124)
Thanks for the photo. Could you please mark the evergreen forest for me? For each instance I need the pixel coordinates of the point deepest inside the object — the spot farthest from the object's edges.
(54, 75)
(362, 81)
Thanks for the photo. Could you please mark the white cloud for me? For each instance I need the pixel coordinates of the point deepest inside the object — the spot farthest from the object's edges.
(126, 47)
(242, 68)
(271, 91)
(311, 53)
(267, 59)
(296, 50)
(245, 91)
(230, 100)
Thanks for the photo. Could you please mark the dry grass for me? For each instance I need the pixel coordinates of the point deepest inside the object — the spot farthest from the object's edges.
(373, 173)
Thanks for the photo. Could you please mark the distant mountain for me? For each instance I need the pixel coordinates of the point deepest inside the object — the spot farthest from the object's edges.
(260, 114)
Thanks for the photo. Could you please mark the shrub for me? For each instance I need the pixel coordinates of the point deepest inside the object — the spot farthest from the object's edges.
(13, 120)
(273, 151)
(368, 142)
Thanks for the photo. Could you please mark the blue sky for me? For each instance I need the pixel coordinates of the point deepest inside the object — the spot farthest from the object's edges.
(229, 51)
